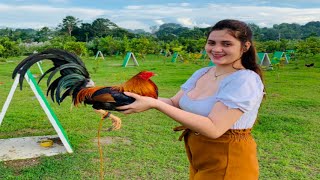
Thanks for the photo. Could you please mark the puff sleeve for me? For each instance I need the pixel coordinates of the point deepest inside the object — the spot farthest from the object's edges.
(243, 91)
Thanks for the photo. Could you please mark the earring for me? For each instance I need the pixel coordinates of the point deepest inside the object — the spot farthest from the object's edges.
(245, 49)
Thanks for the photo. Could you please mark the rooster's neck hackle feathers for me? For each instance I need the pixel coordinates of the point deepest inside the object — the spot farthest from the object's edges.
(140, 84)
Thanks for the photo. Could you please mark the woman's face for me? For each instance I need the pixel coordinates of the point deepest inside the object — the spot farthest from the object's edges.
(222, 48)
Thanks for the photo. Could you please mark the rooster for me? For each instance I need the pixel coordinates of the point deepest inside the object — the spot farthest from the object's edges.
(309, 65)
(75, 81)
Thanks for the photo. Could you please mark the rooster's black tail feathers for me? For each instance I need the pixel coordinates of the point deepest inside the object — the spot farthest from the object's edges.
(73, 72)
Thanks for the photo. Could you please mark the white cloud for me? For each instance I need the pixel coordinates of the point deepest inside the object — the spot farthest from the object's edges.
(185, 21)
(264, 14)
(185, 4)
(4, 7)
(144, 16)
(133, 25)
(133, 7)
(159, 21)
(58, 1)
(203, 25)
(35, 16)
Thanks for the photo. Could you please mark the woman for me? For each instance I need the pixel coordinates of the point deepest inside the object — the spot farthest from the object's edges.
(218, 106)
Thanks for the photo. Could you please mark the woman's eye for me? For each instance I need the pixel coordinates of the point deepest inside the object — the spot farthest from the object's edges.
(227, 44)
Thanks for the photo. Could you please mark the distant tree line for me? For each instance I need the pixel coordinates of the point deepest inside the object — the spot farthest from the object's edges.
(101, 27)
(104, 35)
(286, 31)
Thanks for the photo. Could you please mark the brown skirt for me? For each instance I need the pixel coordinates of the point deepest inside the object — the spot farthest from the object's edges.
(230, 157)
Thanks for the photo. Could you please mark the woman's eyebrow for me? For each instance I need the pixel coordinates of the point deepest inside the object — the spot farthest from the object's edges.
(226, 41)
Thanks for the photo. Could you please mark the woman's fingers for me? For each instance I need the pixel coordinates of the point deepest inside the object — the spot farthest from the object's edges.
(123, 107)
(128, 111)
(140, 104)
(132, 95)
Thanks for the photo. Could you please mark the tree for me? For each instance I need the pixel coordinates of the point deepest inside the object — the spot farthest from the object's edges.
(308, 50)
(78, 48)
(269, 46)
(168, 31)
(170, 26)
(61, 41)
(9, 48)
(7, 32)
(269, 34)
(309, 47)
(154, 29)
(43, 34)
(288, 31)
(108, 45)
(143, 46)
(311, 29)
(193, 45)
(255, 31)
(195, 33)
(120, 32)
(69, 23)
(102, 27)
(84, 33)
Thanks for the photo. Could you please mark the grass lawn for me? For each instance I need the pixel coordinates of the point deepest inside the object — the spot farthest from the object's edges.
(287, 131)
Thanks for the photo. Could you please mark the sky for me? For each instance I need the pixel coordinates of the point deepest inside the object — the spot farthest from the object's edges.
(142, 14)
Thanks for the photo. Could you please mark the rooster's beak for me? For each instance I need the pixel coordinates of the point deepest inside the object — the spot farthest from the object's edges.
(90, 83)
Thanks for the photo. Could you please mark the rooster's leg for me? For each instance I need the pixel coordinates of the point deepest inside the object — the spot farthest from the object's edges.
(116, 121)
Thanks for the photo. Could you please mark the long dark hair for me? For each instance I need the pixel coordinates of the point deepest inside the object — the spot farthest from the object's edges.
(243, 33)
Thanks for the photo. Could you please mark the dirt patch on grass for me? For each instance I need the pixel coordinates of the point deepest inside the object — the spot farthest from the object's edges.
(112, 140)
(22, 132)
(275, 95)
(19, 165)
(22, 163)
(105, 141)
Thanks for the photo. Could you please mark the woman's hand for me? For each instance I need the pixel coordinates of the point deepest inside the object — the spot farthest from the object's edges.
(142, 103)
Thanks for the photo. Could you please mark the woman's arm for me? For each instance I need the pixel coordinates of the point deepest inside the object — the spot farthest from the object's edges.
(173, 101)
(217, 123)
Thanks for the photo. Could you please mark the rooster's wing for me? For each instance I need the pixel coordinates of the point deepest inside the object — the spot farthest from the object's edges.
(108, 98)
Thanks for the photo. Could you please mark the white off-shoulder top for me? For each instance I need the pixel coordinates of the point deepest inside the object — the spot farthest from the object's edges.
(242, 89)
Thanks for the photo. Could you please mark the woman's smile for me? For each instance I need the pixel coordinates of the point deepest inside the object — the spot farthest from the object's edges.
(218, 56)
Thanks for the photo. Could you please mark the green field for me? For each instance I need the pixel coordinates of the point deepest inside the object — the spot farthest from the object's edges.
(287, 131)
